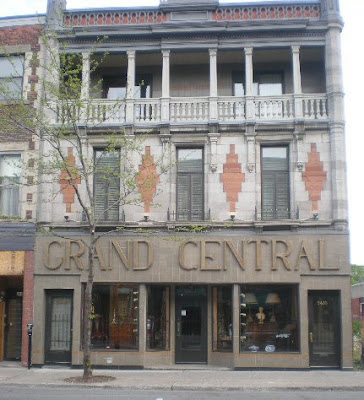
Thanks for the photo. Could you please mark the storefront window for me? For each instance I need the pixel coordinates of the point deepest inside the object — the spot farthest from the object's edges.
(115, 311)
(222, 319)
(269, 318)
(158, 318)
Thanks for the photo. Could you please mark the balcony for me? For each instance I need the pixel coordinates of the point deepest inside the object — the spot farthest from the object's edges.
(191, 110)
(199, 87)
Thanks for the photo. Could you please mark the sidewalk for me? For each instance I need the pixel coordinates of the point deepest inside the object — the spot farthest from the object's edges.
(191, 379)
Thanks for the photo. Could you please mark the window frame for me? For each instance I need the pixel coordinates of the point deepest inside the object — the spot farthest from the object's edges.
(167, 288)
(16, 185)
(257, 77)
(216, 348)
(202, 174)
(108, 79)
(10, 77)
(275, 173)
(248, 322)
(106, 210)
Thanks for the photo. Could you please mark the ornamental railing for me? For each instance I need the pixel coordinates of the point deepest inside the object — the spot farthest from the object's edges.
(177, 110)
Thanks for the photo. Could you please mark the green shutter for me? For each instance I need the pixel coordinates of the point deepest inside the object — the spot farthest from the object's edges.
(107, 186)
(268, 195)
(275, 183)
(183, 197)
(282, 205)
(197, 197)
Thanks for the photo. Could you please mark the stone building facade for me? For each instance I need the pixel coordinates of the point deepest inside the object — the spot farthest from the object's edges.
(19, 77)
(238, 254)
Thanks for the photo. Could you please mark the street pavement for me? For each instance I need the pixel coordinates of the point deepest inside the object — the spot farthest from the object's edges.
(189, 378)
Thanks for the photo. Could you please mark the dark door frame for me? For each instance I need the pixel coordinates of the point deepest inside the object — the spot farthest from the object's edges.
(336, 298)
(66, 357)
(12, 294)
(194, 358)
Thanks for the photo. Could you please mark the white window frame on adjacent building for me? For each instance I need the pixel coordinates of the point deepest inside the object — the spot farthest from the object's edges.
(10, 174)
(11, 77)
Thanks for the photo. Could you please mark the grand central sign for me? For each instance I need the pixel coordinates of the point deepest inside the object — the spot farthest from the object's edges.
(197, 254)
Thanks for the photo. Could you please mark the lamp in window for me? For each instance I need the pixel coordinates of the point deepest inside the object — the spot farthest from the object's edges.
(272, 299)
(250, 299)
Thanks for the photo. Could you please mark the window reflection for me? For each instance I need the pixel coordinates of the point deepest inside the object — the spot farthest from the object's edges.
(115, 316)
(269, 318)
(158, 318)
(222, 321)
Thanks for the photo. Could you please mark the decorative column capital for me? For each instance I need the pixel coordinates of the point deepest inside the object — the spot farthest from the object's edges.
(131, 54)
(212, 52)
(166, 53)
(213, 137)
(295, 49)
(248, 51)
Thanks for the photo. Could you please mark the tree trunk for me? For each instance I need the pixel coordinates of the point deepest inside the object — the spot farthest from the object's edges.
(88, 317)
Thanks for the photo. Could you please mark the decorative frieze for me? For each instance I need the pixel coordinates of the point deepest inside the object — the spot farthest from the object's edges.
(114, 18)
(151, 17)
(266, 13)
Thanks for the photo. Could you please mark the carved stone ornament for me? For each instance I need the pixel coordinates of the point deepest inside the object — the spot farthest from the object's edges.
(213, 167)
(300, 165)
(251, 167)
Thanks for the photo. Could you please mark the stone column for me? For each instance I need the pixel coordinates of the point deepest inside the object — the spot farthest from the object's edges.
(213, 85)
(85, 88)
(297, 82)
(249, 73)
(335, 97)
(165, 86)
(130, 87)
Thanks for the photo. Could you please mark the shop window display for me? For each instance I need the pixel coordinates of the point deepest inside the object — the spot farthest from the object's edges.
(158, 318)
(269, 318)
(115, 316)
(222, 318)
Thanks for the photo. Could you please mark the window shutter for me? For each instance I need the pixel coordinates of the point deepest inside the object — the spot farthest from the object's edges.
(268, 195)
(197, 197)
(107, 186)
(183, 197)
(282, 205)
(275, 183)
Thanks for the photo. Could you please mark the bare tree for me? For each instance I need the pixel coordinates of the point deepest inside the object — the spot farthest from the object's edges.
(61, 119)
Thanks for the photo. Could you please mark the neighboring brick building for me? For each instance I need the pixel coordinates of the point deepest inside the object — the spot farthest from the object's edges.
(357, 296)
(19, 53)
(238, 254)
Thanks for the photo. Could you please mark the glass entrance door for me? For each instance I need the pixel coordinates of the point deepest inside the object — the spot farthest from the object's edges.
(58, 338)
(191, 324)
(324, 328)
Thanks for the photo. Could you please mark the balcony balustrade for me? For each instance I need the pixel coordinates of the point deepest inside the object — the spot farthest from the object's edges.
(189, 110)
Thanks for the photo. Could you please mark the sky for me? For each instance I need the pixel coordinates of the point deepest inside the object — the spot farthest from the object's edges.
(353, 57)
